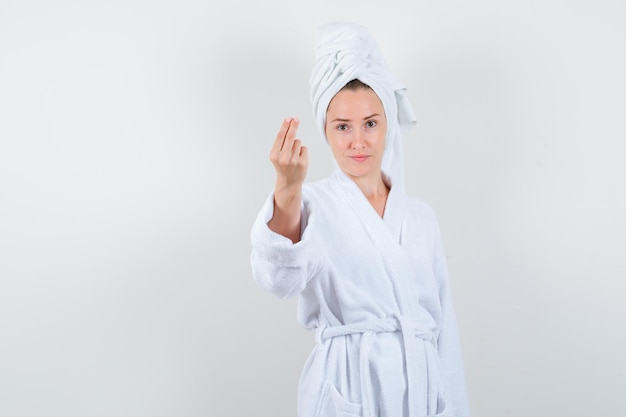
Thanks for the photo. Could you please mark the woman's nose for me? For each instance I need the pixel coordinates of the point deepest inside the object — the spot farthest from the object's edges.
(357, 141)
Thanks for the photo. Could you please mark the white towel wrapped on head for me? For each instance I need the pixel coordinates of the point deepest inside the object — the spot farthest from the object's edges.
(344, 52)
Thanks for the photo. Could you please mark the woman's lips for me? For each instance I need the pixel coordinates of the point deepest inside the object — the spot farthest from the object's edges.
(359, 158)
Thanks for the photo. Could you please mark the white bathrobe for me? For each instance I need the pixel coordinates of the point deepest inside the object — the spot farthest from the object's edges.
(375, 292)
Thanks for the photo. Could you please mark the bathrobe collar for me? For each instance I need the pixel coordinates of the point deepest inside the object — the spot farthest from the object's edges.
(388, 227)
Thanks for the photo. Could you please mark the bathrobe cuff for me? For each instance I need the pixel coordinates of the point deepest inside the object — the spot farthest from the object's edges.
(280, 266)
(274, 247)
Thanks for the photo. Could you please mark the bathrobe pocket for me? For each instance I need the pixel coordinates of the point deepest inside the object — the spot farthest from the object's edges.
(438, 406)
(442, 408)
(333, 404)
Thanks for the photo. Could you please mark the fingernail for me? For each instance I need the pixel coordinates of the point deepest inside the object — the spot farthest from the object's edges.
(295, 119)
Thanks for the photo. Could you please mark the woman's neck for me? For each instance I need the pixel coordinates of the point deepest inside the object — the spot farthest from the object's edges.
(375, 190)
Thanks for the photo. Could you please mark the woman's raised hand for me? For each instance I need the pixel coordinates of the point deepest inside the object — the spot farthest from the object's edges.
(289, 157)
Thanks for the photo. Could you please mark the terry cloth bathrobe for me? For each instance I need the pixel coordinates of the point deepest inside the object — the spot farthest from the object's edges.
(374, 290)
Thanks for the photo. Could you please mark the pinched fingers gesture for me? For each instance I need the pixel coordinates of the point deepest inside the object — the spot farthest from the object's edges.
(289, 157)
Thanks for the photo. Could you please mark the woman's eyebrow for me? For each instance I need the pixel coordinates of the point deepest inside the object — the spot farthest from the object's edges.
(347, 120)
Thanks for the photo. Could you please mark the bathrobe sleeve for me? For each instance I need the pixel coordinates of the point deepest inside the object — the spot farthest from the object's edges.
(448, 342)
(278, 265)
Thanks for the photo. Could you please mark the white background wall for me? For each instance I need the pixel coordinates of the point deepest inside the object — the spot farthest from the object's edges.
(134, 141)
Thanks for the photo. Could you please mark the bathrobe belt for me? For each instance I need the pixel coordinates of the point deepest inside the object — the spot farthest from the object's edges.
(415, 351)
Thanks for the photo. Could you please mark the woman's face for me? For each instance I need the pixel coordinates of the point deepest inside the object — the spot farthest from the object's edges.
(356, 128)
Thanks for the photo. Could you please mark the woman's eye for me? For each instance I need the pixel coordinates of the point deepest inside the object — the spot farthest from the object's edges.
(342, 127)
(370, 123)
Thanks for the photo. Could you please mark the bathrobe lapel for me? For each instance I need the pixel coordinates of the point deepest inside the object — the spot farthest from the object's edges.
(384, 231)
(385, 234)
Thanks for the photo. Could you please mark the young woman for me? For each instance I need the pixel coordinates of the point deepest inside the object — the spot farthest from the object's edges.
(365, 259)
